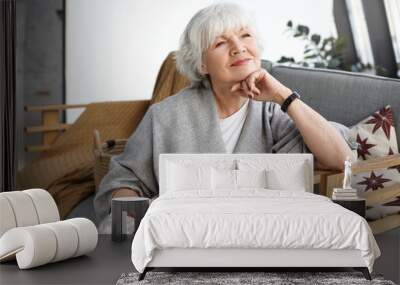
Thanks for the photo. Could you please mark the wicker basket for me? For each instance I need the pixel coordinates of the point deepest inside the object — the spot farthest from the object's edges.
(102, 155)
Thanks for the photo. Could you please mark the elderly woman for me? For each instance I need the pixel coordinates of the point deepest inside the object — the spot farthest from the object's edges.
(233, 105)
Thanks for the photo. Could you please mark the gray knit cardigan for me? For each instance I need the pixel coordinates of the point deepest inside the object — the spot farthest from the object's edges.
(188, 122)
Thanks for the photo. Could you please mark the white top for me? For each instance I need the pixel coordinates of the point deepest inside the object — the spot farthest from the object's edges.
(231, 127)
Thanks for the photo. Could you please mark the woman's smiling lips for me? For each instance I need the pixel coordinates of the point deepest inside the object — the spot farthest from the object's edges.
(241, 62)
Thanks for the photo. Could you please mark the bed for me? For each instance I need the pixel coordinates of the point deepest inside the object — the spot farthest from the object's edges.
(247, 210)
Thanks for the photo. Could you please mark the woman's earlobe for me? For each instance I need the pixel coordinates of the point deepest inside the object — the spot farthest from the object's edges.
(203, 70)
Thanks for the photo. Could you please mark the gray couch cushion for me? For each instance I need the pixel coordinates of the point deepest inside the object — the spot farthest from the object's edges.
(343, 97)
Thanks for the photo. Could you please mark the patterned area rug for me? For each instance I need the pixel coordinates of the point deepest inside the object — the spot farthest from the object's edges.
(273, 278)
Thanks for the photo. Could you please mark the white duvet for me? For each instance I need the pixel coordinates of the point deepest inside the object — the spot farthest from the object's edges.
(252, 218)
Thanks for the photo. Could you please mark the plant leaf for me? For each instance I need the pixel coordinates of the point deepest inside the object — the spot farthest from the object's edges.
(311, 56)
(324, 43)
(316, 38)
(284, 59)
(303, 29)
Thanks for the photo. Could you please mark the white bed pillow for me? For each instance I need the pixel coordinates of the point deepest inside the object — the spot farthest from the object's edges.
(188, 177)
(279, 180)
(228, 179)
(251, 178)
(281, 174)
(223, 179)
(193, 174)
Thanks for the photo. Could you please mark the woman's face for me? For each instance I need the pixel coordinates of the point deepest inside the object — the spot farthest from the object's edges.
(231, 57)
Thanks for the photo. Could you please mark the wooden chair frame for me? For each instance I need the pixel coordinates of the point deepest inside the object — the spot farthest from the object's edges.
(51, 126)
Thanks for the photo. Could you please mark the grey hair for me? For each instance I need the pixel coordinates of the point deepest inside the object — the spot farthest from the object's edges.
(201, 31)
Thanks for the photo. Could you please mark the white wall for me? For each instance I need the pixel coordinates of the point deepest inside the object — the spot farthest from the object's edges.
(115, 48)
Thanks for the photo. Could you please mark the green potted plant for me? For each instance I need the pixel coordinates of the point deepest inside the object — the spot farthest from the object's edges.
(321, 52)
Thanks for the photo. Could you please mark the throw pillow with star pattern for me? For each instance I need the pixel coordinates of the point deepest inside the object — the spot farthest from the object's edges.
(376, 137)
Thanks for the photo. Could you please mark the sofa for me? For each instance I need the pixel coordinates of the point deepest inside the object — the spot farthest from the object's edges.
(339, 96)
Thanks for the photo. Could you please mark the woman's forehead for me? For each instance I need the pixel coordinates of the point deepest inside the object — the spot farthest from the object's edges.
(226, 33)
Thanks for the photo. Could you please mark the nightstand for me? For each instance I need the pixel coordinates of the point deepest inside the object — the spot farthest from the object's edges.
(122, 206)
(357, 205)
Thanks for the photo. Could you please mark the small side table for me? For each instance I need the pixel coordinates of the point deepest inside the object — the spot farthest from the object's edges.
(120, 208)
(357, 205)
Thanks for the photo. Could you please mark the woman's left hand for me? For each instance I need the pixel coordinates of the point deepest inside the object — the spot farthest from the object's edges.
(262, 86)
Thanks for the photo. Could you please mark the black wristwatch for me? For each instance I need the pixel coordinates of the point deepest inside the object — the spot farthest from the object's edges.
(288, 100)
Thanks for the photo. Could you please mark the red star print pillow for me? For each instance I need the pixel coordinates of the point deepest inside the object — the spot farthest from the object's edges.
(376, 137)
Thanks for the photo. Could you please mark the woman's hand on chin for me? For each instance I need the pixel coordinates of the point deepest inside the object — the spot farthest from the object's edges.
(262, 86)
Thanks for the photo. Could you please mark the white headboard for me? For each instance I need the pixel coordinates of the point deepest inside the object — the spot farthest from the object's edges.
(209, 158)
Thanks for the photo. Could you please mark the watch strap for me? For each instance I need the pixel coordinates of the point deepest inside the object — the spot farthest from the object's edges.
(289, 100)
